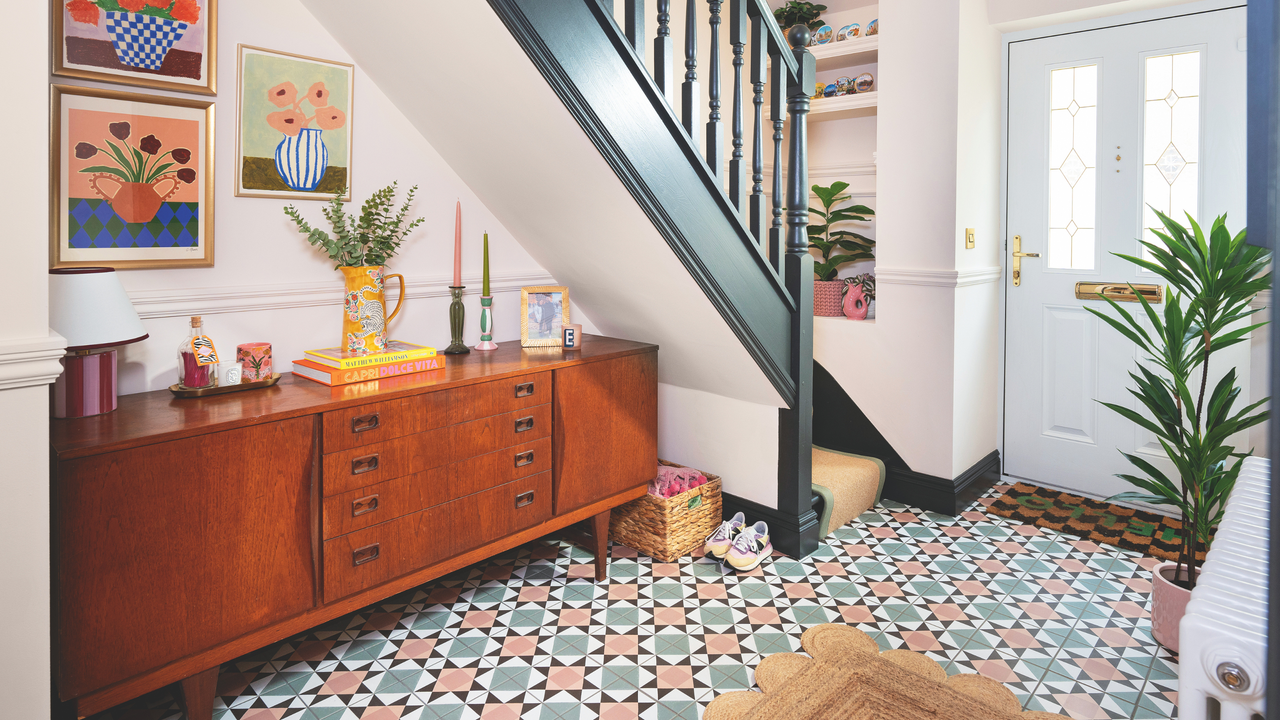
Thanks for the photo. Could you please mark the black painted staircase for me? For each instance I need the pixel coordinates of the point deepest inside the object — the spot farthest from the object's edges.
(729, 234)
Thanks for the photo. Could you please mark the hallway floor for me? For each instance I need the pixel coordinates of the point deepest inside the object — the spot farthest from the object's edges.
(528, 634)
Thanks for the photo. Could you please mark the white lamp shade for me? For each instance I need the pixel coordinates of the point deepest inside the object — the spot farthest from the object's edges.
(90, 308)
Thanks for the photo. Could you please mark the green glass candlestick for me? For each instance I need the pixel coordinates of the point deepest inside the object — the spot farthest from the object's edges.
(457, 314)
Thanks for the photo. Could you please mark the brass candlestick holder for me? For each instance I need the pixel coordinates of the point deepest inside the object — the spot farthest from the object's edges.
(457, 314)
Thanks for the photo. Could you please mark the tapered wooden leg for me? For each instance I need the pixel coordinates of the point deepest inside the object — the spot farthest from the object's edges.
(197, 693)
(600, 535)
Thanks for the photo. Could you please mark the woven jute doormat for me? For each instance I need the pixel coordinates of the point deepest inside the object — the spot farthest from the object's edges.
(1145, 532)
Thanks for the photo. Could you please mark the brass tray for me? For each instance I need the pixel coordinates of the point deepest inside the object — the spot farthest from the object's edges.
(179, 391)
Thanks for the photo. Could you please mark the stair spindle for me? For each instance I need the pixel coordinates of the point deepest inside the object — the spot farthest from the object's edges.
(663, 60)
(690, 94)
(798, 155)
(737, 169)
(715, 128)
(777, 110)
(759, 70)
(634, 11)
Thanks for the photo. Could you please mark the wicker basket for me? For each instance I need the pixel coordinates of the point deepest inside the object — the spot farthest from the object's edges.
(668, 528)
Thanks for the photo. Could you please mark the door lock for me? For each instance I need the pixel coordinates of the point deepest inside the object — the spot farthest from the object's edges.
(1017, 259)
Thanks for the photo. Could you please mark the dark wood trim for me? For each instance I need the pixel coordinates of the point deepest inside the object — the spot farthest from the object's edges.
(795, 536)
(1264, 221)
(590, 66)
(941, 495)
(109, 697)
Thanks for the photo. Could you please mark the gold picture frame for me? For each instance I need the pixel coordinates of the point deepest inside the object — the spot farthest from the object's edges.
(178, 232)
(260, 177)
(89, 56)
(538, 329)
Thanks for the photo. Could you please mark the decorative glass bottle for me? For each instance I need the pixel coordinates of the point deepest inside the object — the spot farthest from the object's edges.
(192, 374)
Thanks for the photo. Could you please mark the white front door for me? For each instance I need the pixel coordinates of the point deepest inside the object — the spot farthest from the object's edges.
(1101, 124)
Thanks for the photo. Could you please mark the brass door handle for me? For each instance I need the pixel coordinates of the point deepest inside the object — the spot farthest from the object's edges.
(1017, 259)
(1120, 292)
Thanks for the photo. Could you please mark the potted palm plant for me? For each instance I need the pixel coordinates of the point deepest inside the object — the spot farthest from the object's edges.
(1211, 280)
(828, 291)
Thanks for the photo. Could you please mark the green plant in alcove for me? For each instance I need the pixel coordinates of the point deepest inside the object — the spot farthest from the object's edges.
(827, 240)
(799, 12)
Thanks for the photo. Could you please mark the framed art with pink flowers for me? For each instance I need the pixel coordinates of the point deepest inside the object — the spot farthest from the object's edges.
(160, 44)
(293, 133)
(132, 180)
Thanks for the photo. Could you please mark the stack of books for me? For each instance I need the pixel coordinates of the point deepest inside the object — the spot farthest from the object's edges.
(335, 366)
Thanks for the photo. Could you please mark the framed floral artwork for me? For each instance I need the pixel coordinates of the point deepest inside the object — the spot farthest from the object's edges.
(544, 311)
(132, 180)
(161, 44)
(293, 133)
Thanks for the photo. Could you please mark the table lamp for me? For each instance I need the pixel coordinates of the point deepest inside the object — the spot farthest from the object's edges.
(89, 307)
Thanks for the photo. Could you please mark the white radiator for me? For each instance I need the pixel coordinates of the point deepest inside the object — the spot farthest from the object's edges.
(1223, 635)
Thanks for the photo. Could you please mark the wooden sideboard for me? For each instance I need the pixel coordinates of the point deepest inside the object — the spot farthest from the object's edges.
(187, 532)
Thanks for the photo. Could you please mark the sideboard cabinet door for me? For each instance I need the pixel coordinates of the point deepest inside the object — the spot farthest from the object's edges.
(169, 549)
(606, 429)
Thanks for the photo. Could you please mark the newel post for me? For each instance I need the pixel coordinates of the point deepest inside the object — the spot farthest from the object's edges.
(795, 423)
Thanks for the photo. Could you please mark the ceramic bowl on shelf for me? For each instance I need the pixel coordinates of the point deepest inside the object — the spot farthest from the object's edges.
(873, 27)
(830, 91)
(844, 86)
(848, 32)
(864, 83)
(823, 36)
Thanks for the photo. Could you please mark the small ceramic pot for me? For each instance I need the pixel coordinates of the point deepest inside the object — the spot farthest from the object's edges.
(1168, 605)
(827, 298)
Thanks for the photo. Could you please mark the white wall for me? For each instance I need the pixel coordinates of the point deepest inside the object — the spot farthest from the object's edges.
(268, 284)
(1010, 15)
(733, 439)
(27, 363)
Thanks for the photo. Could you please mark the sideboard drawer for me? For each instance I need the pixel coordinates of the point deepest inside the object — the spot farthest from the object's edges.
(481, 437)
(497, 468)
(373, 504)
(368, 424)
(494, 398)
(372, 464)
(380, 553)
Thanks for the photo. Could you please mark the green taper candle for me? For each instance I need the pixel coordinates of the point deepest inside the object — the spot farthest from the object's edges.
(485, 290)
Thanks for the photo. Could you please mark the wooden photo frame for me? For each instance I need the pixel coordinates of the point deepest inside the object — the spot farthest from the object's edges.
(544, 310)
(131, 180)
(293, 125)
(169, 48)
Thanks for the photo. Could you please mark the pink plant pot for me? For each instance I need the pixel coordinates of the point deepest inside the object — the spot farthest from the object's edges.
(1168, 605)
(827, 298)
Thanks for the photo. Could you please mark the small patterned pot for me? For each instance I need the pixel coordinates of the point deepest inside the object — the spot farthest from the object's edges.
(255, 361)
(827, 298)
(1168, 605)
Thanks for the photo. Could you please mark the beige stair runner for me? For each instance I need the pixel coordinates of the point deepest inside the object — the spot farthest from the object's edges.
(850, 485)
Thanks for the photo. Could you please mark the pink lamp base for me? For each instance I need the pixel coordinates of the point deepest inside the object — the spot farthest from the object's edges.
(87, 385)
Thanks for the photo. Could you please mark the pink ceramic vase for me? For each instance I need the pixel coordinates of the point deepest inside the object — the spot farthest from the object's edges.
(1168, 605)
(856, 303)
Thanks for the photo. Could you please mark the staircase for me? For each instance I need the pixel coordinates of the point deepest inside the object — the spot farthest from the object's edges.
(728, 234)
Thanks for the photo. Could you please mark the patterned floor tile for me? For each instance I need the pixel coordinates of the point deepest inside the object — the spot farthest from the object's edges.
(528, 635)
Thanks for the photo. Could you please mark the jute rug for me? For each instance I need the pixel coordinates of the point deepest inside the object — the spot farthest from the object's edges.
(847, 677)
(1101, 522)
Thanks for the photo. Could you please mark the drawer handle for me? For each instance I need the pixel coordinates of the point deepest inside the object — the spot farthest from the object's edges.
(365, 464)
(524, 458)
(368, 553)
(524, 423)
(524, 499)
(365, 422)
(524, 390)
(364, 505)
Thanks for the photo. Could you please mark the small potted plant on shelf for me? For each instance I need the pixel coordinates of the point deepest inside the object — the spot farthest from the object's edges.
(827, 289)
(1211, 281)
(799, 12)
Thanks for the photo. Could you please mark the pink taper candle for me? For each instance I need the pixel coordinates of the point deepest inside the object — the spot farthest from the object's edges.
(457, 247)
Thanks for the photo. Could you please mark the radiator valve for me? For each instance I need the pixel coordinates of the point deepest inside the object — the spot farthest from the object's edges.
(1233, 677)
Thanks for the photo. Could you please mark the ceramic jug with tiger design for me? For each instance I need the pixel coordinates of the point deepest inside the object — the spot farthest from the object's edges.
(364, 322)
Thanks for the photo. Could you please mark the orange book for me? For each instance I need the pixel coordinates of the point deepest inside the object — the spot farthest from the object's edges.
(334, 376)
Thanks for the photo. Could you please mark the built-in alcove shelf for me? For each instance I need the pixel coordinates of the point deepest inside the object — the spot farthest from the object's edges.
(859, 51)
(843, 106)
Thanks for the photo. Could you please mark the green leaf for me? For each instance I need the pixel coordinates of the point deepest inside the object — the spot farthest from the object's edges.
(108, 170)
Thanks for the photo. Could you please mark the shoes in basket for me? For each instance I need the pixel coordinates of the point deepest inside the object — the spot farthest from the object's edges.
(750, 548)
(722, 539)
